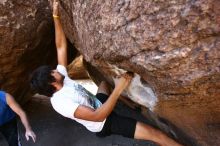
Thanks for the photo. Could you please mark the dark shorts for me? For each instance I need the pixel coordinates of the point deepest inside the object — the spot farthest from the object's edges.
(116, 124)
(9, 130)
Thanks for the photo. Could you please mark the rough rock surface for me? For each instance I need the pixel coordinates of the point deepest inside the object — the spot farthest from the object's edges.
(173, 45)
(26, 41)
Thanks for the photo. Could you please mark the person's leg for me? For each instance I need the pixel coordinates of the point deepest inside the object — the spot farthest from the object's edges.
(146, 132)
(9, 130)
(104, 88)
(131, 128)
(116, 124)
(103, 92)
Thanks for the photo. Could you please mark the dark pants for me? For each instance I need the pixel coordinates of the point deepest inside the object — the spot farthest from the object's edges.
(9, 130)
(116, 124)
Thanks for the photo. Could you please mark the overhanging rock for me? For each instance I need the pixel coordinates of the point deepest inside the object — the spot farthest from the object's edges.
(172, 45)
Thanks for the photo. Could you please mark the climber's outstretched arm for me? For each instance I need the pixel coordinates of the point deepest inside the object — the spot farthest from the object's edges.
(60, 37)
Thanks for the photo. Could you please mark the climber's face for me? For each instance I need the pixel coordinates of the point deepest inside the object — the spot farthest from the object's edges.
(58, 76)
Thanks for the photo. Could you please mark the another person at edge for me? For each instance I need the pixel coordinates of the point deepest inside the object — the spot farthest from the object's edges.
(94, 112)
(8, 124)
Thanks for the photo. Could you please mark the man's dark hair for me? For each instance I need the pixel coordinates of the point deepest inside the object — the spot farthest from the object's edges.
(41, 80)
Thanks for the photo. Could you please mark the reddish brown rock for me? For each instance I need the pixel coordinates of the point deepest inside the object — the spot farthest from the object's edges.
(76, 70)
(173, 46)
(26, 41)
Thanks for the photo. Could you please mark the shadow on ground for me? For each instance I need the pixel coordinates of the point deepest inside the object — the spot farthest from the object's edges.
(54, 130)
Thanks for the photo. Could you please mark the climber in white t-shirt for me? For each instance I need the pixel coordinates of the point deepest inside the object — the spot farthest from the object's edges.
(95, 112)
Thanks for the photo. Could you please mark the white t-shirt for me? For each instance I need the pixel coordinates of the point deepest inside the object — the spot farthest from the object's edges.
(70, 96)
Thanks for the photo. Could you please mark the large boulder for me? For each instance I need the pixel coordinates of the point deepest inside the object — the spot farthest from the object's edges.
(27, 41)
(172, 46)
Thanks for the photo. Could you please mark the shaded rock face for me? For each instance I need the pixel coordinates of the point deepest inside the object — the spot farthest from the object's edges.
(26, 41)
(76, 69)
(172, 45)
